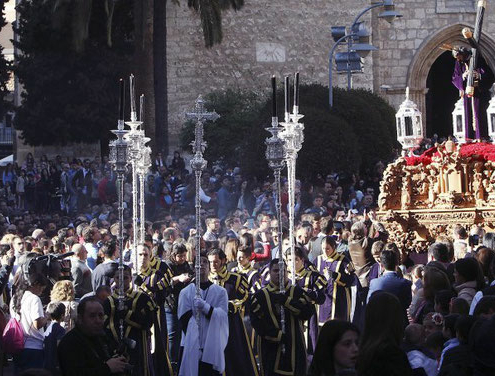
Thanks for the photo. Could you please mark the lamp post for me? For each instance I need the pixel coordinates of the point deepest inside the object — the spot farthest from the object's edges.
(363, 48)
(118, 160)
(330, 63)
(198, 164)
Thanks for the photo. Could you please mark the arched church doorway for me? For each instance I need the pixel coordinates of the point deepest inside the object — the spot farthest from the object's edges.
(442, 95)
(432, 64)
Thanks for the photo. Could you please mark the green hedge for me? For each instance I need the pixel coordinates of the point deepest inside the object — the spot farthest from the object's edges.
(354, 135)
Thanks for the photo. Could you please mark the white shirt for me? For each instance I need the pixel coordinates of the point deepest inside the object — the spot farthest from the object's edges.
(477, 299)
(31, 310)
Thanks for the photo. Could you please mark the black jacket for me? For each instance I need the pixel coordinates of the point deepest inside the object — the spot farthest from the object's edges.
(80, 355)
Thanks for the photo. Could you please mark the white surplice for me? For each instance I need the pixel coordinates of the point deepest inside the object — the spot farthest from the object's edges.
(206, 343)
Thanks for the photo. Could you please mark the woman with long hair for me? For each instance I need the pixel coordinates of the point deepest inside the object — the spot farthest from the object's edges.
(434, 280)
(468, 278)
(379, 351)
(63, 291)
(231, 248)
(247, 241)
(27, 308)
(336, 349)
(485, 257)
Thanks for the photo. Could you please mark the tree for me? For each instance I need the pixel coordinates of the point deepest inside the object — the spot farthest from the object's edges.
(154, 14)
(5, 68)
(70, 95)
(341, 141)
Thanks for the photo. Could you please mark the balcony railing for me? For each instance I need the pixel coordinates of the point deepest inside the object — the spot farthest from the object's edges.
(6, 136)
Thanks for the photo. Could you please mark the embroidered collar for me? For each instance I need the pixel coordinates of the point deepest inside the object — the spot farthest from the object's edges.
(128, 294)
(330, 257)
(245, 269)
(274, 288)
(301, 273)
(221, 274)
(147, 272)
(155, 262)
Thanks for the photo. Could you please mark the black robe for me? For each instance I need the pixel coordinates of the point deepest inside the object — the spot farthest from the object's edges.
(138, 317)
(156, 283)
(239, 357)
(81, 355)
(265, 318)
(314, 285)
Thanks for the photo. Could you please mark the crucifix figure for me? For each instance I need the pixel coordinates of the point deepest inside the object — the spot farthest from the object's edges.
(467, 76)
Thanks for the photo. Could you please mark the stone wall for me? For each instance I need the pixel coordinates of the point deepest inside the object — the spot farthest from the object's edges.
(265, 37)
(282, 36)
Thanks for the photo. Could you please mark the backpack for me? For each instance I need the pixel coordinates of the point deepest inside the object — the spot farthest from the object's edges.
(13, 337)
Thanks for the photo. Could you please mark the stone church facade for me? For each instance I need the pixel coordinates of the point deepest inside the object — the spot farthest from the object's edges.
(280, 37)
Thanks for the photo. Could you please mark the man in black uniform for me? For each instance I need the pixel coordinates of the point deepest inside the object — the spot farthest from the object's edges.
(138, 316)
(239, 358)
(282, 352)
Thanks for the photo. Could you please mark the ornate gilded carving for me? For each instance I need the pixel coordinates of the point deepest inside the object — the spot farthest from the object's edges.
(424, 197)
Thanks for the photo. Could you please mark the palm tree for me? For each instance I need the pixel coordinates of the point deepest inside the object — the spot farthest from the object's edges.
(154, 69)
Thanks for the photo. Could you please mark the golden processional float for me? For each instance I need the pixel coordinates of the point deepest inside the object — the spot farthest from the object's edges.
(423, 197)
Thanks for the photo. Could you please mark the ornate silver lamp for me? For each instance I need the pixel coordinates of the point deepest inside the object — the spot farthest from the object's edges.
(409, 124)
(293, 137)
(199, 115)
(118, 160)
(458, 121)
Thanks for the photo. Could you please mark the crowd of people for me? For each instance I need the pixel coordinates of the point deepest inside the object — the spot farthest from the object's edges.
(346, 302)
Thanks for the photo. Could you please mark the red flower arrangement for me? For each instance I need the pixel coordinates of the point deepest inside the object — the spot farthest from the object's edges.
(424, 159)
(480, 151)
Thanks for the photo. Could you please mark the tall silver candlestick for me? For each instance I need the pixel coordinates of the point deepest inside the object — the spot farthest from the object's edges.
(134, 155)
(293, 136)
(143, 167)
(199, 115)
(275, 155)
(118, 161)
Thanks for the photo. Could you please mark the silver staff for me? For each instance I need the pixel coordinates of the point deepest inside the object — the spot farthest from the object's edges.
(143, 167)
(275, 156)
(134, 138)
(293, 137)
(118, 160)
(198, 164)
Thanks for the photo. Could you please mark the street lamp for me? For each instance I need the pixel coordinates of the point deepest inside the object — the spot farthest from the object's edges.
(358, 33)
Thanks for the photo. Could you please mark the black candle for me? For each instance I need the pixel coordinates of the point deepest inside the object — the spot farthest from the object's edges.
(286, 94)
(274, 97)
(296, 90)
(121, 99)
(141, 108)
(133, 96)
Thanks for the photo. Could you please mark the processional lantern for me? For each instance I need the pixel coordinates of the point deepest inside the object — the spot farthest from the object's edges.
(490, 115)
(458, 121)
(409, 124)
